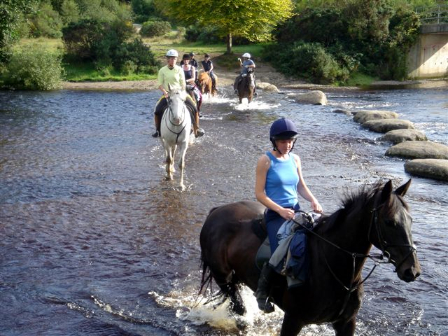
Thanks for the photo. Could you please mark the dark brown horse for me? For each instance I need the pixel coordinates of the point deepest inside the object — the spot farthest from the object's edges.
(206, 85)
(338, 246)
(246, 87)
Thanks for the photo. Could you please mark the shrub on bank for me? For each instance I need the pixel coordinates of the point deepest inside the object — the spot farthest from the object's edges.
(155, 28)
(105, 45)
(307, 60)
(33, 69)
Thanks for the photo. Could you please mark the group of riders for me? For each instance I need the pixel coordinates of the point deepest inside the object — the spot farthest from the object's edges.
(278, 181)
(185, 77)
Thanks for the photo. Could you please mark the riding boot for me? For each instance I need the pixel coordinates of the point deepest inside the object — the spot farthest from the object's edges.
(157, 122)
(262, 293)
(198, 132)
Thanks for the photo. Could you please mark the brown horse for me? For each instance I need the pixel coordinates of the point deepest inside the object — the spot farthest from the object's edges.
(245, 87)
(338, 246)
(206, 85)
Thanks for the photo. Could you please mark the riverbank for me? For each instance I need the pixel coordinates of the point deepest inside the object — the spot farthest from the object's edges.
(265, 73)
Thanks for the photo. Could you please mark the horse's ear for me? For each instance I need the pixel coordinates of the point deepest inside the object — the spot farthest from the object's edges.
(401, 191)
(387, 191)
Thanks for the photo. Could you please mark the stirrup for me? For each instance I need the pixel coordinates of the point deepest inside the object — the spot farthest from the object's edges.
(265, 305)
(156, 134)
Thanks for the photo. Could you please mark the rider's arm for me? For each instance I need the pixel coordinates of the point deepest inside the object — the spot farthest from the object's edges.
(164, 92)
(193, 75)
(303, 189)
(263, 165)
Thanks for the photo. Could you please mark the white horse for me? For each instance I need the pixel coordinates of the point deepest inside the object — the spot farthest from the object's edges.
(175, 130)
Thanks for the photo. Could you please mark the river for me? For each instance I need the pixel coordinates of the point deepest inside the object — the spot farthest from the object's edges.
(94, 241)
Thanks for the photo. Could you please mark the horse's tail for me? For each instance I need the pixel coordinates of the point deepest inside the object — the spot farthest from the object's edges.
(207, 277)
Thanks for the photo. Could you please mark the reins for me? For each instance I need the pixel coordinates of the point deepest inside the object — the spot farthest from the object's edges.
(353, 286)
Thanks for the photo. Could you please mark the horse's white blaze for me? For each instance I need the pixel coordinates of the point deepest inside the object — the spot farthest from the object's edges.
(175, 132)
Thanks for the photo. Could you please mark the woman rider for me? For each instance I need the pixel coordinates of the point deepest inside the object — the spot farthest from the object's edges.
(278, 182)
(172, 76)
(190, 79)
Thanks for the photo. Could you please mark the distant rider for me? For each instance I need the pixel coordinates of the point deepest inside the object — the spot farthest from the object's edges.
(207, 65)
(247, 66)
(172, 75)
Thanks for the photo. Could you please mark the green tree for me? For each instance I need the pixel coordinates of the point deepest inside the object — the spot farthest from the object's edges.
(45, 22)
(69, 11)
(11, 12)
(253, 19)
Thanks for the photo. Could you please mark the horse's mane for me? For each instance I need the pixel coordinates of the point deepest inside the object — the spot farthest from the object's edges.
(352, 201)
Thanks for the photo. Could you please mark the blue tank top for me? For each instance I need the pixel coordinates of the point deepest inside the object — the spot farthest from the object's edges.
(282, 179)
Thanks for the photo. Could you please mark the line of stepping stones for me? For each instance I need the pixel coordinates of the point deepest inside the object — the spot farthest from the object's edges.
(427, 159)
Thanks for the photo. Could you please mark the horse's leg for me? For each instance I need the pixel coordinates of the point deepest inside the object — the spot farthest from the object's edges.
(291, 326)
(182, 152)
(345, 328)
(169, 163)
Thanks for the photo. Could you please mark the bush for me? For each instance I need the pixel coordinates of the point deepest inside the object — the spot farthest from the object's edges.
(309, 60)
(33, 69)
(135, 55)
(155, 28)
(105, 45)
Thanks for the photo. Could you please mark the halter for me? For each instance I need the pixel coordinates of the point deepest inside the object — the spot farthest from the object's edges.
(169, 119)
(377, 259)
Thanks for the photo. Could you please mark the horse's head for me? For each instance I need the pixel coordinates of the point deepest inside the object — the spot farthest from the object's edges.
(176, 105)
(390, 231)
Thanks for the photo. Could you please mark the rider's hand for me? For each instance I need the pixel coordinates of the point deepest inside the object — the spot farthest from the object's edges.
(316, 206)
(286, 213)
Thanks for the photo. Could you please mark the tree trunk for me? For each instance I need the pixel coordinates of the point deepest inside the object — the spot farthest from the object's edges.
(229, 43)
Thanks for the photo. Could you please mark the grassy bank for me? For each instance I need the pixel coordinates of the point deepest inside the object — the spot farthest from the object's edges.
(88, 72)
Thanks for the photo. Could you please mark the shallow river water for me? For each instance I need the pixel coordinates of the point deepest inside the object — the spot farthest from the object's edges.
(94, 241)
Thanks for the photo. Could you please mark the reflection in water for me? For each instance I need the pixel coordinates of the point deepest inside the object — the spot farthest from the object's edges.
(94, 239)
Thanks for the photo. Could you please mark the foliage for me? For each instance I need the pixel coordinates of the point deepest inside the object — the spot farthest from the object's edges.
(69, 11)
(11, 13)
(45, 22)
(367, 35)
(105, 44)
(137, 56)
(310, 60)
(253, 20)
(155, 28)
(34, 68)
(143, 10)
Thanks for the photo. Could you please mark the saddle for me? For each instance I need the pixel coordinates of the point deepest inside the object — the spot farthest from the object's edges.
(290, 258)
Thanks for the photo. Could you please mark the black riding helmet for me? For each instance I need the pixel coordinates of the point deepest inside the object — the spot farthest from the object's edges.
(283, 129)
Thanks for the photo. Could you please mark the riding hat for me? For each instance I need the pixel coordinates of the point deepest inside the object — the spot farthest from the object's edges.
(246, 55)
(192, 54)
(172, 53)
(283, 129)
(186, 57)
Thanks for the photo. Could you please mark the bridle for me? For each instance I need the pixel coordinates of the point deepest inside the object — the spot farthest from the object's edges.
(384, 244)
(169, 120)
(377, 259)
